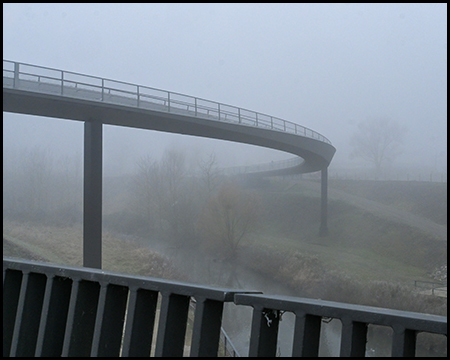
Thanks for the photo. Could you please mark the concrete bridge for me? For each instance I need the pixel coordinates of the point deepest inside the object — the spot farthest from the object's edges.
(56, 310)
(42, 91)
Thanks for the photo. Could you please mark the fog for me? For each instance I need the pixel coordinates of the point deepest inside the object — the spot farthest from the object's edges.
(324, 66)
(327, 67)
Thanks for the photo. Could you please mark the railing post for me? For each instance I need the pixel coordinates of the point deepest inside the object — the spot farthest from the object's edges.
(140, 321)
(403, 342)
(172, 325)
(168, 101)
(218, 109)
(306, 335)
(271, 122)
(264, 332)
(239, 114)
(195, 106)
(206, 331)
(256, 119)
(353, 338)
(138, 99)
(103, 89)
(16, 75)
(62, 82)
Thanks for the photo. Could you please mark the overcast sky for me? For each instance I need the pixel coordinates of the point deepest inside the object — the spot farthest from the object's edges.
(323, 66)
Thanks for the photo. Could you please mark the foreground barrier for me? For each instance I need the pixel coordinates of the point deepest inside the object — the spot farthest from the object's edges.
(51, 310)
(63, 311)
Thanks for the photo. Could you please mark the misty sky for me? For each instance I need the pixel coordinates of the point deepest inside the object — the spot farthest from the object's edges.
(323, 66)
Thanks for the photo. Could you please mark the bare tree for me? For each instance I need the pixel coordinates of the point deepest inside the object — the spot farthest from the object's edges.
(227, 219)
(209, 172)
(147, 189)
(377, 141)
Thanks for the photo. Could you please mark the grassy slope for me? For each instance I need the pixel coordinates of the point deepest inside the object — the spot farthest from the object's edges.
(359, 244)
(63, 245)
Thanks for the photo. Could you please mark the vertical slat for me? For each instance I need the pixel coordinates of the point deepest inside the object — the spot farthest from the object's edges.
(264, 333)
(112, 321)
(353, 338)
(29, 315)
(140, 323)
(207, 323)
(54, 317)
(81, 318)
(306, 335)
(12, 284)
(403, 342)
(70, 317)
(172, 325)
(44, 314)
(99, 319)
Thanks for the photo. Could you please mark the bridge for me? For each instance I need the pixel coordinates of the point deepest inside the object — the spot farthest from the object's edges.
(36, 90)
(56, 310)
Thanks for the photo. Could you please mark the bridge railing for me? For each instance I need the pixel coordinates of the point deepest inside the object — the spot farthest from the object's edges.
(71, 84)
(309, 313)
(61, 311)
(53, 310)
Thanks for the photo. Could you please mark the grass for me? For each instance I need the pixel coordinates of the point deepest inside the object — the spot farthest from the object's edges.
(63, 245)
(360, 246)
(425, 199)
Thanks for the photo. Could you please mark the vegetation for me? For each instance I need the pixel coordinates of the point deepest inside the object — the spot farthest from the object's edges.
(377, 141)
(63, 245)
(270, 227)
(226, 219)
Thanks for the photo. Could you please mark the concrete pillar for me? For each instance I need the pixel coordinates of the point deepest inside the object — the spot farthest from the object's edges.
(92, 195)
(323, 202)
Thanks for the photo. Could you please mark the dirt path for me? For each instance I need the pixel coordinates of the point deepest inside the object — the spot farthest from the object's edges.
(385, 211)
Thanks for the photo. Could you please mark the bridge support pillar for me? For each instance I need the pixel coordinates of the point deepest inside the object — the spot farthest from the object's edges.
(323, 231)
(92, 195)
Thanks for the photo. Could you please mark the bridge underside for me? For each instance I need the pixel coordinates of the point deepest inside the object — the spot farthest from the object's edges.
(316, 154)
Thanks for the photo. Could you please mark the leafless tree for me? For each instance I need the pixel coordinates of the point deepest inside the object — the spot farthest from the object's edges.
(227, 218)
(378, 141)
(209, 172)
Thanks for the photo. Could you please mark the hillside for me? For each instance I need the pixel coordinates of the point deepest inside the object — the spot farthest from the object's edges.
(362, 249)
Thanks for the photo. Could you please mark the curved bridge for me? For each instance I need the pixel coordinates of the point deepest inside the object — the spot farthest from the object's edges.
(42, 91)
(35, 90)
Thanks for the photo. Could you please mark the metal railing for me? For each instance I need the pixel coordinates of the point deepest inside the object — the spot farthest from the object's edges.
(53, 310)
(431, 285)
(70, 84)
(259, 168)
(62, 311)
(268, 310)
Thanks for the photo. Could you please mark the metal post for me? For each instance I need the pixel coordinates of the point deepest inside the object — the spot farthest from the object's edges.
(62, 82)
(16, 75)
(138, 99)
(323, 202)
(92, 202)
